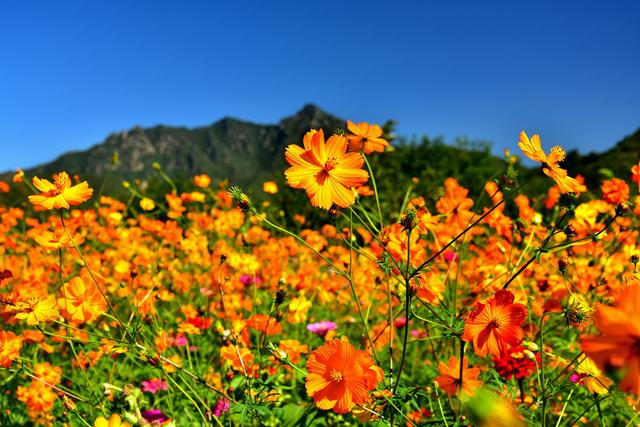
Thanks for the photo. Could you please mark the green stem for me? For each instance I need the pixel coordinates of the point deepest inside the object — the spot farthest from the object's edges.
(407, 311)
(542, 380)
(375, 189)
(355, 295)
(455, 239)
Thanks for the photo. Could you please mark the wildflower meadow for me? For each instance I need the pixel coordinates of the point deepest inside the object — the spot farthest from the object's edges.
(202, 305)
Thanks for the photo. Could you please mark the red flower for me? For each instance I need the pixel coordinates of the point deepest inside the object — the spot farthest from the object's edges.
(516, 363)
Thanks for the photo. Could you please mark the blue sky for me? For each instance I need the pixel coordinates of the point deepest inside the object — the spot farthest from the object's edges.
(74, 71)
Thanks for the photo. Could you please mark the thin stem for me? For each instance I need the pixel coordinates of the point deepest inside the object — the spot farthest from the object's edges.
(542, 381)
(564, 407)
(407, 311)
(462, 347)
(355, 295)
(375, 189)
(455, 239)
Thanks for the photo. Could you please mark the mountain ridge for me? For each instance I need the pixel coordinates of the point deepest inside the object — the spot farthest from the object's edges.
(228, 148)
(249, 153)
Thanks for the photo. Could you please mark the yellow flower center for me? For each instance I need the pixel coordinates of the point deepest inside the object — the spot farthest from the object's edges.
(335, 375)
(330, 164)
(62, 182)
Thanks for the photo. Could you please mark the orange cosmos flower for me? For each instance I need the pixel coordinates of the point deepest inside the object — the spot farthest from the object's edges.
(449, 378)
(496, 325)
(615, 191)
(455, 203)
(340, 376)
(38, 397)
(266, 324)
(83, 303)
(202, 181)
(17, 177)
(60, 193)
(10, 346)
(366, 137)
(325, 170)
(618, 345)
(532, 148)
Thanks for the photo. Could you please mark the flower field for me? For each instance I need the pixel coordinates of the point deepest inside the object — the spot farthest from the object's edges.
(202, 306)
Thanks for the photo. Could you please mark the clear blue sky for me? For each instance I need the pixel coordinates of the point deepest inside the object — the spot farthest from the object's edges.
(74, 71)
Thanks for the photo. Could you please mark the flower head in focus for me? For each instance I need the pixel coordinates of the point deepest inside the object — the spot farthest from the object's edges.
(532, 148)
(325, 170)
(340, 376)
(35, 310)
(495, 325)
(60, 193)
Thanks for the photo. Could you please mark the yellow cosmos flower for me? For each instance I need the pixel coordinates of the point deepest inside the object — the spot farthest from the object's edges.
(532, 148)
(114, 421)
(58, 239)
(325, 170)
(60, 193)
(147, 204)
(270, 187)
(36, 311)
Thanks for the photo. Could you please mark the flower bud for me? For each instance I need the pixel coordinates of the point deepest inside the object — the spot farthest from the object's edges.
(408, 220)
(622, 209)
(562, 265)
(570, 231)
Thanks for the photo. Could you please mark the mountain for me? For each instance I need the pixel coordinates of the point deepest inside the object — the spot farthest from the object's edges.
(248, 154)
(245, 153)
(616, 161)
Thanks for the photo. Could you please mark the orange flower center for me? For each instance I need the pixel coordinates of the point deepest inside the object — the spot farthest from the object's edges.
(494, 324)
(335, 375)
(62, 182)
(330, 164)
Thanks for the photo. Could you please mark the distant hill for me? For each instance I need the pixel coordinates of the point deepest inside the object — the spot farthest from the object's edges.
(616, 161)
(248, 154)
(244, 152)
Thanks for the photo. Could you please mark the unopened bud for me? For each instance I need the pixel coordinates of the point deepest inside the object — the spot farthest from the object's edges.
(281, 294)
(562, 264)
(241, 200)
(570, 231)
(408, 220)
(622, 209)
(277, 352)
(153, 359)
